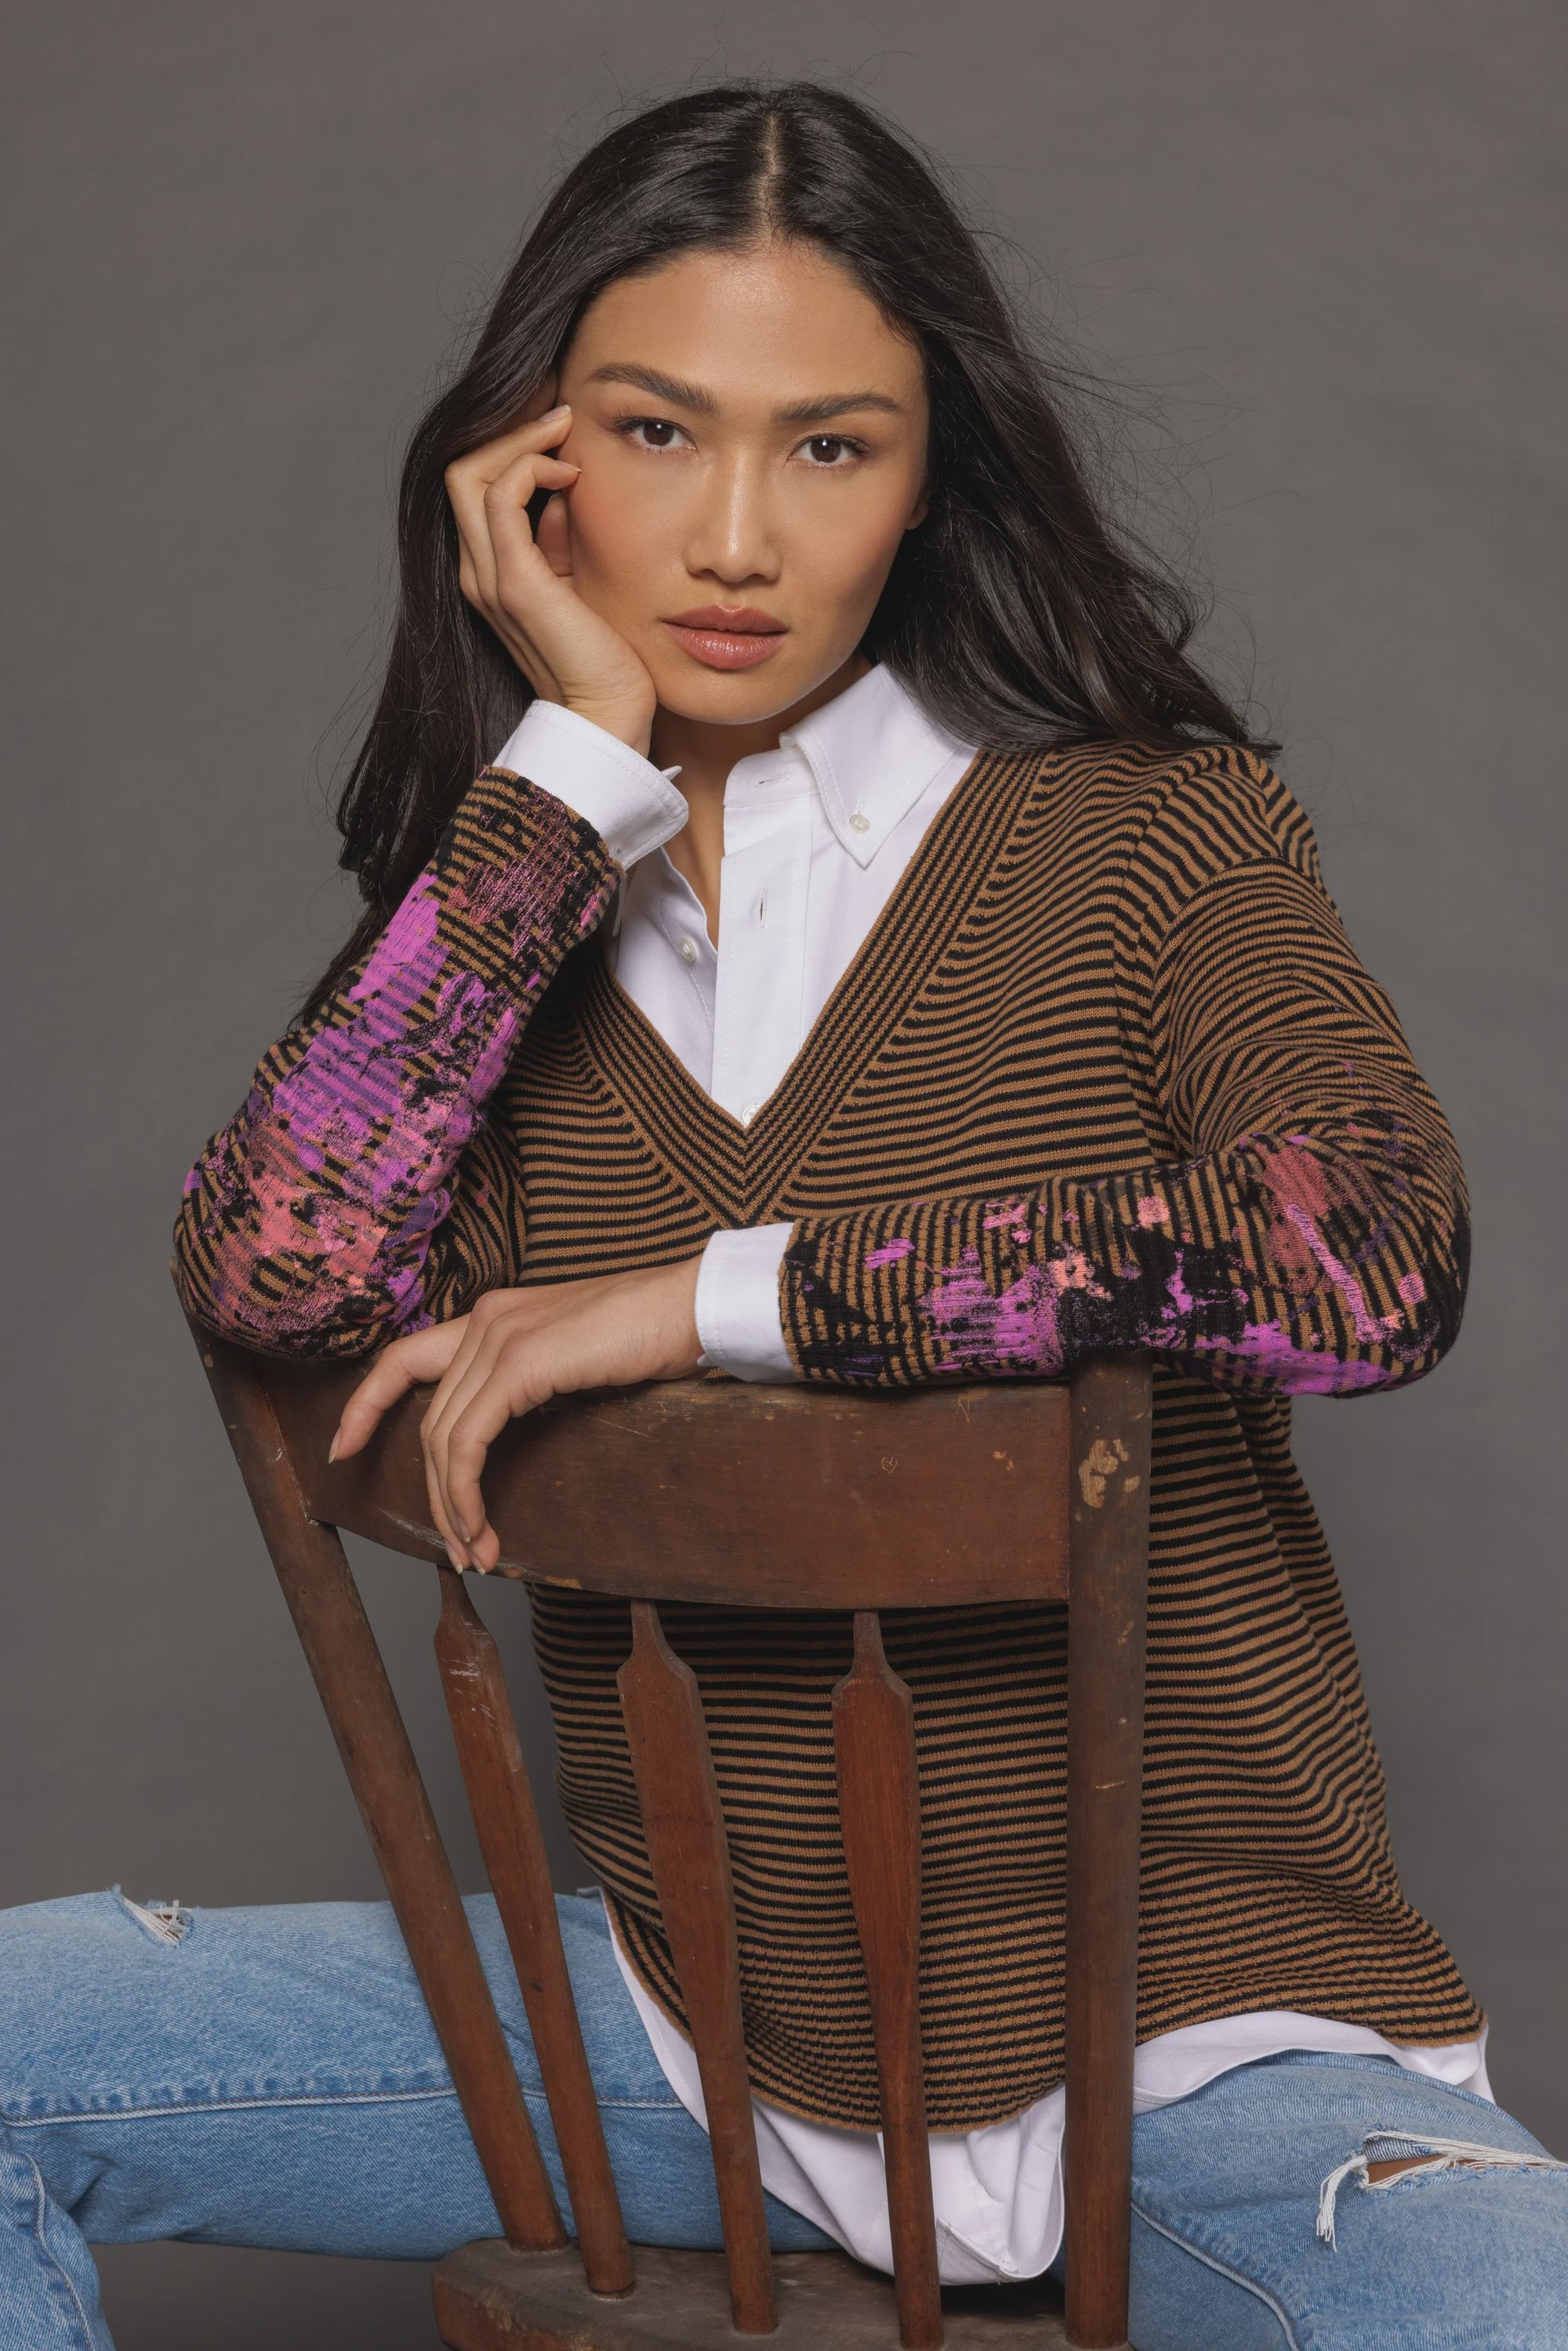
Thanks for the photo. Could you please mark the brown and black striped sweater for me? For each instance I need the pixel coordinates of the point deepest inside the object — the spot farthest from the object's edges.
(1105, 1072)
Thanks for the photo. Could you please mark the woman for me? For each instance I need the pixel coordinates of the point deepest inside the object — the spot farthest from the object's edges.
(874, 953)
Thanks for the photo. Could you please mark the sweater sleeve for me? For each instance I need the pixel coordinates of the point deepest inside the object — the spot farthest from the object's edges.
(1308, 1230)
(312, 1223)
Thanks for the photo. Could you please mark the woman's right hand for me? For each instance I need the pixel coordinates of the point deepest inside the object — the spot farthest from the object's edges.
(523, 586)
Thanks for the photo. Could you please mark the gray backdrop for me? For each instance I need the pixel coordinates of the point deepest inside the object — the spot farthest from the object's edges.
(245, 238)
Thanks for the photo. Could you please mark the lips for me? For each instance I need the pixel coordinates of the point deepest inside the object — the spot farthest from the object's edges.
(729, 636)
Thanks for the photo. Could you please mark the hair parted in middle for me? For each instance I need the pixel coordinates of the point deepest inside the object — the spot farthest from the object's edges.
(1017, 612)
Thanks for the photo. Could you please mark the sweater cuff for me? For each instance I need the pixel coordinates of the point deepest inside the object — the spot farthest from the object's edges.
(632, 804)
(737, 1315)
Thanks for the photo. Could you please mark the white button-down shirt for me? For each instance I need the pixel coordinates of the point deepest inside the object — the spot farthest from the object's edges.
(816, 835)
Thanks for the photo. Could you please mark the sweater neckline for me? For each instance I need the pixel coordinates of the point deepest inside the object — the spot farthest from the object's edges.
(737, 1171)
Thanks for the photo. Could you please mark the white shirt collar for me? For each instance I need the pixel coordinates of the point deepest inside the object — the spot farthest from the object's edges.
(872, 751)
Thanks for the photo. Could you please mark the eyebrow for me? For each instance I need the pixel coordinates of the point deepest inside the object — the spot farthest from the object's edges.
(702, 404)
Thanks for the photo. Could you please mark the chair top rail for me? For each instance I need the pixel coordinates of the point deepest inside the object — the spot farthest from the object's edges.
(721, 1492)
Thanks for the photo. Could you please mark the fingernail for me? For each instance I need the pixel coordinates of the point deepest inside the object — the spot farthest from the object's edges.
(463, 1534)
(551, 413)
(332, 1450)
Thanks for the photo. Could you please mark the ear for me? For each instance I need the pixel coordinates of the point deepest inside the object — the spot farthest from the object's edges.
(922, 507)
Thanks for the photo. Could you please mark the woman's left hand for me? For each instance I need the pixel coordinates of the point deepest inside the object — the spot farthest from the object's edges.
(515, 1350)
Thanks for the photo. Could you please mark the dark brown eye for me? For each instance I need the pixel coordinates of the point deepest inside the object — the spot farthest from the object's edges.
(657, 431)
(825, 448)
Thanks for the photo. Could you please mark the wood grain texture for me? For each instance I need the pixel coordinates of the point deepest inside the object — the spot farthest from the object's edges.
(488, 2298)
(507, 1824)
(683, 1827)
(342, 1652)
(737, 1489)
(1112, 1420)
(879, 1812)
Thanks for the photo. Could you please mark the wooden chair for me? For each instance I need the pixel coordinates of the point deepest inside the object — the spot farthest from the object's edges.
(710, 1490)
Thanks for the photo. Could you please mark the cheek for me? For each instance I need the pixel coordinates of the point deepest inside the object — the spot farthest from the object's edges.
(619, 528)
(849, 549)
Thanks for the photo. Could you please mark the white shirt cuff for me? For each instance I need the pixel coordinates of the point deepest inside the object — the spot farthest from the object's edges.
(632, 804)
(738, 1321)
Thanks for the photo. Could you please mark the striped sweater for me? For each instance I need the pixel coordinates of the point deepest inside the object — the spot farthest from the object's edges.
(1106, 1073)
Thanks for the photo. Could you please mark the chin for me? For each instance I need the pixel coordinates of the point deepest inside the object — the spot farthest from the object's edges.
(732, 697)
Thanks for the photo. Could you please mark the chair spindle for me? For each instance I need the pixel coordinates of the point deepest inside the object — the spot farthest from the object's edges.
(507, 1821)
(879, 1811)
(1112, 1419)
(689, 1854)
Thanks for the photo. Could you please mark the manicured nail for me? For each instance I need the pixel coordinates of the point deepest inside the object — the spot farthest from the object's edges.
(464, 1534)
(332, 1450)
(551, 413)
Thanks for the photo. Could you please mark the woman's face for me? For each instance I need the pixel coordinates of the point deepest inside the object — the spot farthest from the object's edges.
(752, 438)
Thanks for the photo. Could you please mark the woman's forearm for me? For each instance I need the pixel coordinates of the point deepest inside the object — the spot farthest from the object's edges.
(308, 1222)
(1314, 1262)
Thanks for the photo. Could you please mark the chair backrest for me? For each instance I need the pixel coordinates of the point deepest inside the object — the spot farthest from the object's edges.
(714, 1491)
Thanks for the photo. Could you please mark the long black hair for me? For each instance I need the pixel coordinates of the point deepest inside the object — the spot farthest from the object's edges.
(1016, 612)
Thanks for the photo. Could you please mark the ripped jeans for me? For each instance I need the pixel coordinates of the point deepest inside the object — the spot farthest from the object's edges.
(271, 2077)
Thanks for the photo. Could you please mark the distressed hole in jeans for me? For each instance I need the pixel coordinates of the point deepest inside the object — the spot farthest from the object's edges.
(1404, 2157)
(165, 1922)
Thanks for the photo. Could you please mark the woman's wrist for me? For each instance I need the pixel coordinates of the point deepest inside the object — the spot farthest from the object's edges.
(628, 717)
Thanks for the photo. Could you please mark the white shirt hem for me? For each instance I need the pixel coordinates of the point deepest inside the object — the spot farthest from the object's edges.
(997, 2190)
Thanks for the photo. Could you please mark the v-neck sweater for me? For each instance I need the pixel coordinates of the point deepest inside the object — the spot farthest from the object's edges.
(1105, 1072)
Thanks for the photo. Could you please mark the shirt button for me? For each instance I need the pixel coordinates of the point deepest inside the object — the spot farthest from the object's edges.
(688, 950)
(859, 822)
(749, 1113)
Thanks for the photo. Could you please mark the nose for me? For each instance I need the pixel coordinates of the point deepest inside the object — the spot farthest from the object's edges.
(733, 536)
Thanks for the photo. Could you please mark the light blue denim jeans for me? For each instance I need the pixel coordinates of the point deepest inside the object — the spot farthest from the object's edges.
(271, 2078)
